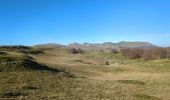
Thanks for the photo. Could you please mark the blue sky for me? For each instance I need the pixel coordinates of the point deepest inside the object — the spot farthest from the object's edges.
(30, 22)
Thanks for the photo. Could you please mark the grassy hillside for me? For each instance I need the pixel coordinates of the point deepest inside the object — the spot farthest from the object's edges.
(22, 76)
(57, 74)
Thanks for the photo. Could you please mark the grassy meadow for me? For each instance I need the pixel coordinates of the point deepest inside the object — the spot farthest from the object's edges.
(56, 74)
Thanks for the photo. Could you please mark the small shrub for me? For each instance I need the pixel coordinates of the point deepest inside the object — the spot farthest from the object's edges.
(76, 51)
(114, 51)
(73, 51)
(107, 63)
(101, 50)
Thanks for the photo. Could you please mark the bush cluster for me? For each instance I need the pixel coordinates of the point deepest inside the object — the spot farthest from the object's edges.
(147, 53)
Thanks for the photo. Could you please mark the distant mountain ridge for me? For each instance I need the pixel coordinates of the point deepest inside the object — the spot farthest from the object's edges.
(50, 45)
(100, 46)
(110, 45)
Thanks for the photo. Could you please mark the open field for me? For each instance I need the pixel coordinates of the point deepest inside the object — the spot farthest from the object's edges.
(86, 76)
